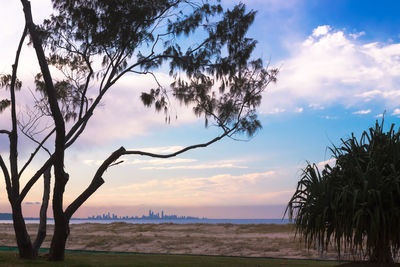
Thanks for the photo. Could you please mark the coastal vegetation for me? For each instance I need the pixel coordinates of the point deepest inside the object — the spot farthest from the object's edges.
(356, 203)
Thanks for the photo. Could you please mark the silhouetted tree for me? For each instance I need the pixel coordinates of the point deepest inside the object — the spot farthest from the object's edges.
(356, 203)
(12, 177)
(95, 43)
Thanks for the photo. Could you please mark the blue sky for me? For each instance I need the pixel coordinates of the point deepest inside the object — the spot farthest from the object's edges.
(339, 71)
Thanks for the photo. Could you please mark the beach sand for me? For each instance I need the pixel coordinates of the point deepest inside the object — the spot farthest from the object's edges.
(257, 240)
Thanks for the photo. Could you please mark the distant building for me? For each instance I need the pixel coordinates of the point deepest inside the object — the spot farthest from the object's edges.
(151, 216)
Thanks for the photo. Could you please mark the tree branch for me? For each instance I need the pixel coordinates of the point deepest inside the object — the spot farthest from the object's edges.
(136, 152)
(40, 145)
(6, 177)
(5, 132)
(98, 180)
(35, 177)
(50, 90)
(43, 212)
(58, 157)
(13, 136)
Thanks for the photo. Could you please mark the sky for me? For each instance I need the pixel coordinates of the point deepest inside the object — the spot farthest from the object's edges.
(339, 67)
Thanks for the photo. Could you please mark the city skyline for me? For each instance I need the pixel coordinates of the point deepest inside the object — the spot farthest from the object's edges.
(151, 216)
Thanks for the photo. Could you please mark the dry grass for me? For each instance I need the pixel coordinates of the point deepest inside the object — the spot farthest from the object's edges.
(261, 240)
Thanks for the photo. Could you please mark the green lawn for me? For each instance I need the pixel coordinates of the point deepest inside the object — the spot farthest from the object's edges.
(10, 258)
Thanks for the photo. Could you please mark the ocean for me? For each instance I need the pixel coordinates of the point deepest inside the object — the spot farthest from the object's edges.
(158, 221)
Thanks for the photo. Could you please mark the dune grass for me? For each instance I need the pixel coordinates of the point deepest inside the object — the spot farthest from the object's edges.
(9, 258)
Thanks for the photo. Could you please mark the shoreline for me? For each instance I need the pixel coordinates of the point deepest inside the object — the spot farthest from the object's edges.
(160, 221)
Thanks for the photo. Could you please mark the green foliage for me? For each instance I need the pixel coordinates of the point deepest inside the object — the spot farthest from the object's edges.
(213, 73)
(356, 203)
(4, 103)
(5, 82)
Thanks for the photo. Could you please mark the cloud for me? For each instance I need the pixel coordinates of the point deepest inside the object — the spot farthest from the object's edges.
(356, 35)
(171, 164)
(321, 30)
(122, 115)
(327, 117)
(362, 112)
(196, 167)
(396, 111)
(331, 162)
(316, 106)
(160, 161)
(330, 67)
(274, 111)
(249, 188)
(299, 110)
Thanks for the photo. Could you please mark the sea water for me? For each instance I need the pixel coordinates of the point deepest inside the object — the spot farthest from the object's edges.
(158, 221)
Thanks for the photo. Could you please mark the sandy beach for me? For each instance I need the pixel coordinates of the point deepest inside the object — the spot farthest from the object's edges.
(257, 240)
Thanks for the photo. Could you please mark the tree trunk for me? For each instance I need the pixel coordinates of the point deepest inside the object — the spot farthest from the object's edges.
(41, 235)
(57, 247)
(23, 240)
(381, 253)
(61, 222)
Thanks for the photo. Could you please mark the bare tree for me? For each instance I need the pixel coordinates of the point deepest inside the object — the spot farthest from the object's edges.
(95, 43)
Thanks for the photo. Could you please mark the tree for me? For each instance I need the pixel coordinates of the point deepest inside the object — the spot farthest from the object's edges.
(95, 43)
(356, 203)
(26, 248)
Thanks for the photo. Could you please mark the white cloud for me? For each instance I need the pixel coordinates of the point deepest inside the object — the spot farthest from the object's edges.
(362, 112)
(196, 167)
(396, 111)
(331, 162)
(299, 110)
(275, 111)
(331, 68)
(356, 35)
(153, 162)
(171, 164)
(327, 117)
(321, 30)
(160, 161)
(316, 106)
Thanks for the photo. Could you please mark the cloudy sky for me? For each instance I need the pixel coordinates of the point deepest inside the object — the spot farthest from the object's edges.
(339, 72)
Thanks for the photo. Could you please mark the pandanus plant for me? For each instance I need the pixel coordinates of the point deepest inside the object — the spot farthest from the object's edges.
(356, 203)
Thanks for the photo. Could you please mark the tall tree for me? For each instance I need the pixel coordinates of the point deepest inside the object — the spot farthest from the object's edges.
(95, 43)
(12, 176)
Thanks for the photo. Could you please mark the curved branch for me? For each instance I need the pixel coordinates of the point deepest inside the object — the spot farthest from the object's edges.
(35, 177)
(6, 177)
(98, 180)
(40, 145)
(142, 153)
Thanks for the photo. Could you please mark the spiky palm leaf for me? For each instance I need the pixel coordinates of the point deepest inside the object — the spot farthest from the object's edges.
(356, 203)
